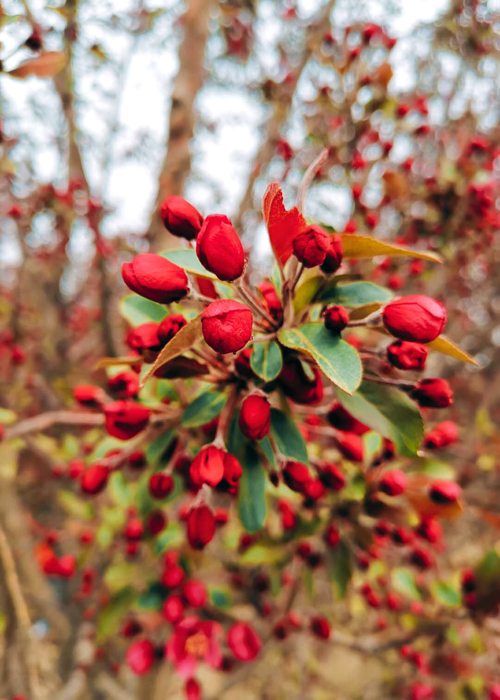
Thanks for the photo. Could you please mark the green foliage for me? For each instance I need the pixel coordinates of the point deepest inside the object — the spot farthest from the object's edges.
(446, 593)
(137, 310)
(403, 581)
(388, 411)
(75, 506)
(340, 569)
(287, 436)
(338, 360)
(355, 294)
(266, 360)
(111, 616)
(204, 408)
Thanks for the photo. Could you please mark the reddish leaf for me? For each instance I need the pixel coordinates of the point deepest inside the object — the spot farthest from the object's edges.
(282, 225)
(44, 66)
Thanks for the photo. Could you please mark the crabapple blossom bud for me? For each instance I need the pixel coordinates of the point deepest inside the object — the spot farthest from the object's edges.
(161, 485)
(417, 318)
(155, 278)
(173, 609)
(340, 418)
(335, 318)
(403, 354)
(255, 417)
(169, 327)
(181, 218)
(271, 300)
(88, 395)
(125, 419)
(298, 385)
(442, 435)
(194, 593)
(94, 479)
(394, 482)
(320, 627)
(140, 656)
(243, 641)
(296, 476)
(444, 492)
(200, 526)
(227, 325)
(311, 245)
(334, 254)
(219, 248)
(433, 393)
(351, 447)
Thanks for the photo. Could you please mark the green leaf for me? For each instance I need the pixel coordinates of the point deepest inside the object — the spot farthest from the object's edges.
(358, 246)
(156, 449)
(220, 597)
(266, 360)
(120, 575)
(137, 310)
(7, 416)
(340, 569)
(204, 409)
(355, 294)
(338, 360)
(188, 260)
(263, 554)
(112, 615)
(119, 489)
(306, 293)
(252, 505)
(434, 468)
(172, 536)
(152, 598)
(75, 506)
(488, 570)
(265, 446)
(445, 593)
(403, 581)
(388, 411)
(288, 437)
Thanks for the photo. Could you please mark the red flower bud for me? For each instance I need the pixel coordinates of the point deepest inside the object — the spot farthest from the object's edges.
(124, 384)
(429, 529)
(169, 327)
(144, 339)
(200, 526)
(351, 447)
(156, 522)
(208, 466)
(320, 627)
(394, 482)
(255, 417)
(192, 689)
(421, 558)
(416, 318)
(433, 393)
(195, 593)
(219, 248)
(244, 641)
(421, 691)
(140, 656)
(406, 355)
(271, 299)
(332, 477)
(334, 254)
(227, 325)
(311, 245)
(444, 492)
(173, 609)
(232, 475)
(88, 395)
(125, 419)
(332, 536)
(296, 476)
(161, 485)
(442, 435)
(94, 479)
(335, 318)
(155, 278)
(297, 385)
(242, 364)
(133, 530)
(181, 218)
(341, 419)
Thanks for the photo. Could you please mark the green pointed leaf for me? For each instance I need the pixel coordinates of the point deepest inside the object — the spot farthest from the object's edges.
(119, 489)
(152, 598)
(220, 597)
(112, 615)
(265, 446)
(355, 294)
(252, 505)
(338, 360)
(388, 411)
(445, 593)
(137, 310)
(403, 581)
(288, 437)
(172, 536)
(340, 569)
(204, 409)
(306, 293)
(157, 448)
(263, 554)
(75, 506)
(266, 360)
(488, 570)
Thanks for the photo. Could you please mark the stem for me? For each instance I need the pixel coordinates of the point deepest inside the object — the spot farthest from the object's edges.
(247, 296)
(368, 321)
(391, 382)
(309, 177)
(225, 417)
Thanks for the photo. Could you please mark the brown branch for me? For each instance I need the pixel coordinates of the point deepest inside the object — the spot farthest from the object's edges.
(187, 83)
(44, 421)
(315, 32)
